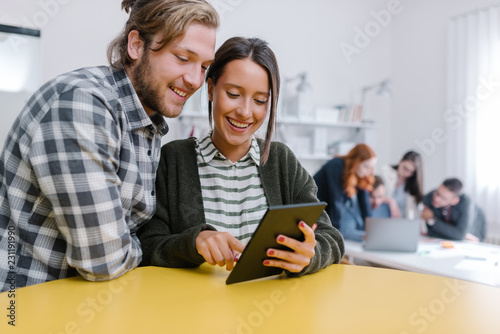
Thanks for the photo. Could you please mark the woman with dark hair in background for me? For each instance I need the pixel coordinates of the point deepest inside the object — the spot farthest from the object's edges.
(213, 191)
(344, 183)
(404, 183)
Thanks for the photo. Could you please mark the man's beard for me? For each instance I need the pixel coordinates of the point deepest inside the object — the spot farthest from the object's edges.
(149, 91)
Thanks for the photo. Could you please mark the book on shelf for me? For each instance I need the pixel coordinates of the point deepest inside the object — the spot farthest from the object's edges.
(340, 147)
(356, 115)
(349, 114)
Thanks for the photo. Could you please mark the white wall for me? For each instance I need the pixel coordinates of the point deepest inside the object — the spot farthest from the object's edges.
(419, 72)
(306, 36)
(74, 33)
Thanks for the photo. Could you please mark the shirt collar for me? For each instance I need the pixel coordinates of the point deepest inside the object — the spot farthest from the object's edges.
(208, 150)
(160, 123)
(137, 116)
(254, 151)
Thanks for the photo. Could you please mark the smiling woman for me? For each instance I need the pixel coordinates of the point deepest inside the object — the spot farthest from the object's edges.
(241, 96)
(238, 48)
(213, 191)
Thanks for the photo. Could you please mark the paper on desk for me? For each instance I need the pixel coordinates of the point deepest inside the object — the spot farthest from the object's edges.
(472, 265)
(478, 264)
(458, 251)
(438, 253)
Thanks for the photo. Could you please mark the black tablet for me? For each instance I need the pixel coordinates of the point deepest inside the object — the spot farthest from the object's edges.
(282, 219)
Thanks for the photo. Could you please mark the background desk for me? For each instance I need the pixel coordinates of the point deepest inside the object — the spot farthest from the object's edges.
(340, 299)
(475, 262)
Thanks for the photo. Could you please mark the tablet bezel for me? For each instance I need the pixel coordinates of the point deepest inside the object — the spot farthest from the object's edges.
(280, 219)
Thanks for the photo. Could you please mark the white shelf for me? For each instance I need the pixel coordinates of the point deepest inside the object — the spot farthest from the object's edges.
(308, 138)
(292, 121)
(357, 125)
(313, 157)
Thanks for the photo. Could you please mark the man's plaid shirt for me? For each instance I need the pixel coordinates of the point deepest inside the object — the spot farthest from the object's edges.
(77, 180)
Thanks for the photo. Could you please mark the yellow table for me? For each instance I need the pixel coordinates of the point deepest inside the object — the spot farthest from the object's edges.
(339, 299)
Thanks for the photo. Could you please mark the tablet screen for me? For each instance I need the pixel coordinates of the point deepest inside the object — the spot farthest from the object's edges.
(282, 219)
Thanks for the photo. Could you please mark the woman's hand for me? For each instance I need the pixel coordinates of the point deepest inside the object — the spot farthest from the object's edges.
(218, 248)
(301, 255)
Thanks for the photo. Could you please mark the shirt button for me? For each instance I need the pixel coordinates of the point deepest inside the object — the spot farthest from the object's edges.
(149, 152)
(152, 193)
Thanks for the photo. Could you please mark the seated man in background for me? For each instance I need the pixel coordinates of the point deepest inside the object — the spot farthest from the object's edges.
(382, 205)
(446, 211)
(477, 226)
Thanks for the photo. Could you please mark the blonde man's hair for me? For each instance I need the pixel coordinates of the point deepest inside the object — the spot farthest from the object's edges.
(167, 18)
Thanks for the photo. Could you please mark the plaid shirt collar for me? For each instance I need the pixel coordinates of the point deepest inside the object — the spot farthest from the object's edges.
(137, 116)
(208, 150)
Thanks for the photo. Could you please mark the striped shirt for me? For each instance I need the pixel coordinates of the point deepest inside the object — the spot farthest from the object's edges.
(233, 196)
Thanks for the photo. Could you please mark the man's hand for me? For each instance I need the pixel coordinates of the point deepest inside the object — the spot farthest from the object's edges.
(471, 237)
(427, 213)
(218, 248)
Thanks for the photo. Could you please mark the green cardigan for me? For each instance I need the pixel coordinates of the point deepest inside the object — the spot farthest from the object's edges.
(168, 239)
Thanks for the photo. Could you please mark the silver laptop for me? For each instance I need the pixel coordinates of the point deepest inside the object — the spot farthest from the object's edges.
(392, 234)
